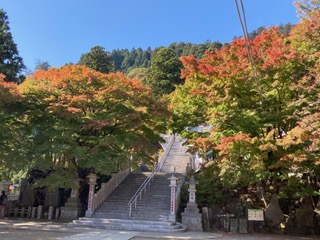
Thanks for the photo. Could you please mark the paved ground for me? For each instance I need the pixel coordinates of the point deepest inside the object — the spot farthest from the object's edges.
(25, 229)
(224, 236)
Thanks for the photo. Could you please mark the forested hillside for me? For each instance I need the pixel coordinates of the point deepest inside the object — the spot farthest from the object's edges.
(125, 60)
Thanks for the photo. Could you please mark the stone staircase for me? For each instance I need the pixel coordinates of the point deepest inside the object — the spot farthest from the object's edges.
(151, 213)
(116, 206)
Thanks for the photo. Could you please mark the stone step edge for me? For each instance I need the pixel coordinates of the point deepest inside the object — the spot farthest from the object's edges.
(127, 226)
(129, 221)
(177, 227)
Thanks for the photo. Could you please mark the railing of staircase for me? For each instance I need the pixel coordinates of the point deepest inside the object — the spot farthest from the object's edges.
(178, 193)
(108, 187)
(143, 188)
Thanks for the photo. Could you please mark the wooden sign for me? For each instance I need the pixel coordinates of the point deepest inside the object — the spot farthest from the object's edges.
(255, 215)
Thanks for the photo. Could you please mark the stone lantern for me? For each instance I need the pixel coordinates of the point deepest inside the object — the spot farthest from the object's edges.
(191, 216)
(92, 178)
(192, 190)
(73, 207)
(173, 181)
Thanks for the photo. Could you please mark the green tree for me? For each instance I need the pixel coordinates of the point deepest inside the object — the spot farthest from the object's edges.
(11, 64)
(117, 56)
(42, 65)
(97, 59)
(164, 72)
(139, 73)
(13, 138)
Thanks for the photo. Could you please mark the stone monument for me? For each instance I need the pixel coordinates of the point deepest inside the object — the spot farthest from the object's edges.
(274, 214)
(173, 186)
(305, 215)
(191, 216)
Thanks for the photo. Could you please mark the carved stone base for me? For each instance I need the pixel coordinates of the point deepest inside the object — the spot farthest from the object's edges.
(72, 210)
(192, 218)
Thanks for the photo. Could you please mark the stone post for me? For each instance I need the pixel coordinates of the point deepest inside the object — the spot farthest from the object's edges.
(39, 211)
(191, 216)
(34, 212)
(173, 185)
(157, 158)
(50, 212)
(92, 183)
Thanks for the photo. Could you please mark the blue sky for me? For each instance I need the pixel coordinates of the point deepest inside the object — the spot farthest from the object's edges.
(59, 31)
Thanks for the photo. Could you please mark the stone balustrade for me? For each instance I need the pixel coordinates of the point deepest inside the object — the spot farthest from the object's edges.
(178, 192)
(107, 188)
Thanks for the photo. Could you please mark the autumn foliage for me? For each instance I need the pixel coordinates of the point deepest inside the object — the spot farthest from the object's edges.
(263, 105)
(79, 119)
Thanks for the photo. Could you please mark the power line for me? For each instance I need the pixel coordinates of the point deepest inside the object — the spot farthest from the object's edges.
(243, 22)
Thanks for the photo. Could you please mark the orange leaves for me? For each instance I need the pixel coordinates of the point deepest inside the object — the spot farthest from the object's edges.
(227, 144)
(94, 99)
(65, 76)
(190, 66)
(201, 145)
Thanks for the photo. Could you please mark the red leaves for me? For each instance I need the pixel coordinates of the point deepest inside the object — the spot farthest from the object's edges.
(226, 143)
(202, 145)
(190, 66)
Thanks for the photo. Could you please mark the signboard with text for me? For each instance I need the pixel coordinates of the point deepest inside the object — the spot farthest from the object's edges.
(255, 215)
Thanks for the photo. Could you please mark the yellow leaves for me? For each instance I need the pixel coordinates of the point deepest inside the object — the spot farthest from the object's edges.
(293, 137)
(268, 147)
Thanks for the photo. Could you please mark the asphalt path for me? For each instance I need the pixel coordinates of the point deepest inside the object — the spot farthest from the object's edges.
(30, 234)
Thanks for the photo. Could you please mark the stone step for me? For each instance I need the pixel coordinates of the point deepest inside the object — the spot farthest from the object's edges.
(142, 217)
(155, 204)
(123, 224)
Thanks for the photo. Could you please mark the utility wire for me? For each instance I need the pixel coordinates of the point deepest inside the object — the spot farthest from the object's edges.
(243, 22)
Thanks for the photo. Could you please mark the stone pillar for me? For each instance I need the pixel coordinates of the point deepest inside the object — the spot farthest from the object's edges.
(34, 212)
(92, 183)
(191, 216)
(50, 213)
(39, 211)
(173, 185)
(73, 207)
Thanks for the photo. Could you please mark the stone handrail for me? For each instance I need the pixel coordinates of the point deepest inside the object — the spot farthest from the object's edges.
(108, 187)
(147, 181)
(166, 151)
(178, 193)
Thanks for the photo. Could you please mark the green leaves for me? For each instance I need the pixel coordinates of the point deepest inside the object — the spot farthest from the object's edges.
(97, 59)
(164, 72)
(11, 64)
